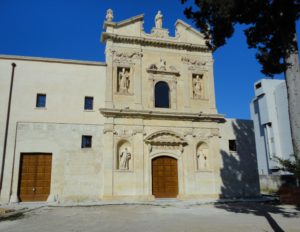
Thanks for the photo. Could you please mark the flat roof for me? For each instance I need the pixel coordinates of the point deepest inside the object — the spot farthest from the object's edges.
(51, 60)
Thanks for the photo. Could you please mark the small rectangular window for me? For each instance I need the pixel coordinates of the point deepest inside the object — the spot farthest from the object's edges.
(88, 103)
(232, 145)
(40, 100)
(86, 141)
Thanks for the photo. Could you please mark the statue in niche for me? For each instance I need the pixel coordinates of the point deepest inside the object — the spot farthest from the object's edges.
(124, 81)
(158, 20)
(202, 160)
(198, 87)
(125, 156)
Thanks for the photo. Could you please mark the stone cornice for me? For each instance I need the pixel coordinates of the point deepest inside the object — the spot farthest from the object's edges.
(124, 22)
(168, 115)
(153, 42)
(165, 72)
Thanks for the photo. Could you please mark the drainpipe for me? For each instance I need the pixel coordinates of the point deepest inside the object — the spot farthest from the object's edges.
(7, 123)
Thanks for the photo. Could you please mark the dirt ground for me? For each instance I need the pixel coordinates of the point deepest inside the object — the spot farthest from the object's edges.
(212, 217)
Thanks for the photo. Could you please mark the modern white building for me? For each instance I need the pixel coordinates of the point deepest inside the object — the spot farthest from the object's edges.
(269, 111)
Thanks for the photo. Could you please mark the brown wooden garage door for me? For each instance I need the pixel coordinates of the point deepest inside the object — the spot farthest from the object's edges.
(35, 177)
(164, 177)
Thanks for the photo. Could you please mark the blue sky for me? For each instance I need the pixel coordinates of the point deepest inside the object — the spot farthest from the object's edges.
(70, 29)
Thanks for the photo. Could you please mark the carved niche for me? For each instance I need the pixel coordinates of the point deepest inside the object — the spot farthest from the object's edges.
(202, 156)
(198, 86)
(124, 156)
(124, 80)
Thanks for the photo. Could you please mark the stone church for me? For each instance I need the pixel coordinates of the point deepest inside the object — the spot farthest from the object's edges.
(141, 126)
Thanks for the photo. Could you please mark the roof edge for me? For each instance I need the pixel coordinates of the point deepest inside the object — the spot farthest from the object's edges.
(124, 22)
(50, 60)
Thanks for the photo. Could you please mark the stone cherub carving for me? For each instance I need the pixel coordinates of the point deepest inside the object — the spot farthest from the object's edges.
(109, 15)
(163, 64)
(158, 20)
(201, 160)
(198, 87)
(125, 156)
(124, 81)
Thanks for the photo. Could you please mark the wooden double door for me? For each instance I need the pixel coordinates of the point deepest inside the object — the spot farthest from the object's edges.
(164, 177)
(35, 176)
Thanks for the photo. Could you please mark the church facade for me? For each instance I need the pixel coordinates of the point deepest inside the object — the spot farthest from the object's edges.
(143, 125)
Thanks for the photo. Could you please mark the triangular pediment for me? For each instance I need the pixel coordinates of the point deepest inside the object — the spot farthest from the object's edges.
(186, 33)
(165, 137)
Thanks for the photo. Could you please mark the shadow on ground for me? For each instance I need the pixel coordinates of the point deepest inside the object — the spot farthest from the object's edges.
(12, 217)
(240, 178)
(260, 209)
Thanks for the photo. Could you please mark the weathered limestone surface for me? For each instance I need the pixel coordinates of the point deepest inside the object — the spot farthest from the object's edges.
(128, 130)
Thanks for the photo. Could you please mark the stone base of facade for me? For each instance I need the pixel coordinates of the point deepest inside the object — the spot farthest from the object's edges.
(199, 197)
(129, 198)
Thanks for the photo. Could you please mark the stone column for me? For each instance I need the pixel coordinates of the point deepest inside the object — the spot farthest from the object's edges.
(139, 160)
(108, 159)
(109, 75)
(211, 88)
(138, 75)
(187, 85)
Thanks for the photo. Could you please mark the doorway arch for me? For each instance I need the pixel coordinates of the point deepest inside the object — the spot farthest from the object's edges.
(164, 177)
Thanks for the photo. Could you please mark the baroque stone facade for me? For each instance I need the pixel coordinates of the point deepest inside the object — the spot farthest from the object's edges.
(157, 132)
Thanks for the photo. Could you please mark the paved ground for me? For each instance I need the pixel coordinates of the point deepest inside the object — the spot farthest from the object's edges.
(168, 217)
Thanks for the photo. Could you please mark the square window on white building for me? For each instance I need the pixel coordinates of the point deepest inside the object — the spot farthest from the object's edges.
(88, 103)
(40, 100)
(86, 141)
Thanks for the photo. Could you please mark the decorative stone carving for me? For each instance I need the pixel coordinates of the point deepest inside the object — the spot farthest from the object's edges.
(153, 67)
(165, 139)
(188, 132)
(148, 41)
(109, 15)
(163, 64)
(198, 86)
(162, 68)
(123, 80)
(215, 132)
(122, 132)
(125, 56)
(202, 156)
(159, 33)
(192, 61)
(158, 20)
(202, 134)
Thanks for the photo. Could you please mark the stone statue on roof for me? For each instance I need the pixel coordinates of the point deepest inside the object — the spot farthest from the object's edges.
(158, 20)
(109, 15)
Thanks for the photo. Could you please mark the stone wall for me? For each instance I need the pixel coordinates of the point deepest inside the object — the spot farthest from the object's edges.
(76, 172)
(239, 168)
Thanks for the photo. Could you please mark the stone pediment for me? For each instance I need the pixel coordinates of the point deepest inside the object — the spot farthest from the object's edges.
(165, 138)
(131, 31)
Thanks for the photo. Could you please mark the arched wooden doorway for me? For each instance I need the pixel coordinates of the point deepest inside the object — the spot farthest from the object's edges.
(164, 177)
